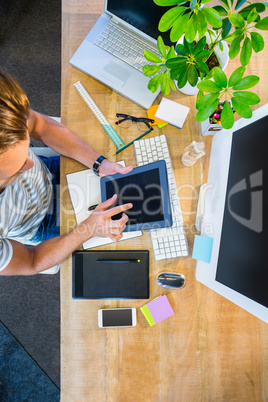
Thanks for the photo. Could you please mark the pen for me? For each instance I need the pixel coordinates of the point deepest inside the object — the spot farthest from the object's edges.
(118, 261)
(131, 142)
(92, 207)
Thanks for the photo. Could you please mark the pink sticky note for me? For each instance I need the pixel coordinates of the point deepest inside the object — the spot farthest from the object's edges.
(160, 308)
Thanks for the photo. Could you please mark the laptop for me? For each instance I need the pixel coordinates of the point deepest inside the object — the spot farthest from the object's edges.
(112, 52)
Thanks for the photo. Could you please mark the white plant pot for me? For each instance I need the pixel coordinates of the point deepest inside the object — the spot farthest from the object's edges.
(223, 57)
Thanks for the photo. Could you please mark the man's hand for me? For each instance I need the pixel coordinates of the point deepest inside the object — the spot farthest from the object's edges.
(100, 222)
(108, 168)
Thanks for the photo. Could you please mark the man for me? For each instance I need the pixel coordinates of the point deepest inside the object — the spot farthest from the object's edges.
(26, 191)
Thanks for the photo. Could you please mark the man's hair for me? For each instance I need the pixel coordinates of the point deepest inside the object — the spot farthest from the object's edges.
(14, 111)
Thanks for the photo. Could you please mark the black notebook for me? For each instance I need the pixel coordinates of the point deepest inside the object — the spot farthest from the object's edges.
(122, 274)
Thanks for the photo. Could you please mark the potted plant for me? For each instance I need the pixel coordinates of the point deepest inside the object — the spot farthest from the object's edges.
(204, 30)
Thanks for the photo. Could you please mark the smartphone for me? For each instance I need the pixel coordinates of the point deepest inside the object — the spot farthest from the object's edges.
(117, 317)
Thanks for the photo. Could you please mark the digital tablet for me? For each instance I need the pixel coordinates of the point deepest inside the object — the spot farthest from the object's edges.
(146, 187)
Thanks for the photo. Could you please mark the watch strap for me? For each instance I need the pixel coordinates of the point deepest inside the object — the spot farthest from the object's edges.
(96, 164)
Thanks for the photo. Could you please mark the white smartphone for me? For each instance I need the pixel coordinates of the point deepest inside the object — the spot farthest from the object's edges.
(117, 317)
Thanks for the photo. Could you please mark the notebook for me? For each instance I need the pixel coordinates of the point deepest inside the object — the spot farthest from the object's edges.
(133, 24)
(84, 188)
(121, 274)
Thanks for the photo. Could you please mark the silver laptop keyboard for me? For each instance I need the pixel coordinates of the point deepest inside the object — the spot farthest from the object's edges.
(124, 46)
(167, 242)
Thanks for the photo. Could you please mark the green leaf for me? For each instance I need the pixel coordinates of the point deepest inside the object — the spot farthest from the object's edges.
(212, 16)
(174, 73)
(237, 20)
(182, 80)
(167, 2)
(176, 62)
(236, 76)
(252, 16)
(246, 97)
(188, 46)
(179, 28)
(148, 71)
(161, 47)
(154, 83)
(219, 77)
(201, 23)
(221, 46)
(226, 27)
(165, 84)
(245, 16)
(235, 46)
(171, 83)
(209, 86)
(242, 109)
(206, 100)
(191, 29)
(202, 55)
(246, 82)
(207, 111)
(192, 76)
(227, 116)
(201, 66)
(168, 19)
(262, 24)
(171, 53)
(152, 57)
(239, 3)
(222, 11)
(200, 45)
(246, 52)
(260, 7)
(180, 50)
(257, 42)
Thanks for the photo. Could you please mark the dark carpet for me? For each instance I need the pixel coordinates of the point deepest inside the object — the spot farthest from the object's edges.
(30, 48)
(19, 372)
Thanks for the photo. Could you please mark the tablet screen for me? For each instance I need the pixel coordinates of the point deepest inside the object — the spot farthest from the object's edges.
(143, 190)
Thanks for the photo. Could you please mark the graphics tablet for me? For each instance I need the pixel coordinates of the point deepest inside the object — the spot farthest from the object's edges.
(121, 274)
(146, 187)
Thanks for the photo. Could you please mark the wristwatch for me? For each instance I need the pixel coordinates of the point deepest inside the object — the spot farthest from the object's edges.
(96, 165)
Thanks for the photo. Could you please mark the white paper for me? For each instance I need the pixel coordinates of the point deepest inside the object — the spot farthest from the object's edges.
(172, 112)
(84, 188)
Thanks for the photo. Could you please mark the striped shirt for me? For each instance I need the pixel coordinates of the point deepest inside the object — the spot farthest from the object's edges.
(23, 206)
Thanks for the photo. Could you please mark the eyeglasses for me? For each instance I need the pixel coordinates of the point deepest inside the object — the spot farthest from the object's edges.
(125, 121)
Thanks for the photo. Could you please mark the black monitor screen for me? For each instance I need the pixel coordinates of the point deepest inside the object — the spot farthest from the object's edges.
(242, 262)
(143, 191)
(142, 14)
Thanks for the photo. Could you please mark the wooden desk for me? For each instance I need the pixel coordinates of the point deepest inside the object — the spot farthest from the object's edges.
(210, 349)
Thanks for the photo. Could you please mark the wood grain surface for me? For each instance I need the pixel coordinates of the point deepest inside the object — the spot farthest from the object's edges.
(211, 349)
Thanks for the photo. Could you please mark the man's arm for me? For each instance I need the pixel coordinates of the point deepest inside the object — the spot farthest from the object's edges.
(32, 260)
(67, 143)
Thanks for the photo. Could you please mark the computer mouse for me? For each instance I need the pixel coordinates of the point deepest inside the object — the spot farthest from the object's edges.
(171, 280)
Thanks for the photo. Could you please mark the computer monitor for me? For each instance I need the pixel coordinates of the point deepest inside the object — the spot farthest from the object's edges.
(235, 215)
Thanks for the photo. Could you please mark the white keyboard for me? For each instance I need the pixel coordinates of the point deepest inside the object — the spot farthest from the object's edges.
(124, 46)
(167, 242)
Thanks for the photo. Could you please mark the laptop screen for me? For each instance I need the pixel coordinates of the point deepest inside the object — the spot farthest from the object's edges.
(141, 14)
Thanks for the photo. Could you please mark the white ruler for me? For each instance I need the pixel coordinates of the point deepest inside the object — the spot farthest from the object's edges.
(100, 116)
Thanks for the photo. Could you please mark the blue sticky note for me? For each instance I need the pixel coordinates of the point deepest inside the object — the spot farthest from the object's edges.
(202, 248)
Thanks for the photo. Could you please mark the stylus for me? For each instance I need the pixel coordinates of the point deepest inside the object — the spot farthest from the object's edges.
(131, 142)
(92, 207)
(118, 261)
